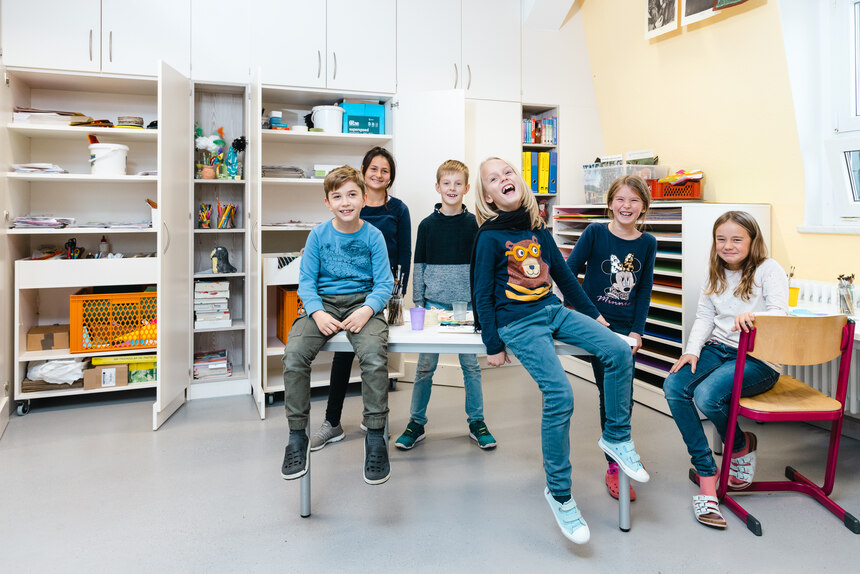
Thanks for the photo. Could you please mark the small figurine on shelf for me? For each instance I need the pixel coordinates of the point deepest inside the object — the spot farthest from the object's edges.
(234, 168)
(542, 212)
(221, 261)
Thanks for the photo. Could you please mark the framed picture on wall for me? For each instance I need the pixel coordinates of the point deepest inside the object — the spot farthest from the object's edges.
(726, 3)
(696, 10)
(661, 16)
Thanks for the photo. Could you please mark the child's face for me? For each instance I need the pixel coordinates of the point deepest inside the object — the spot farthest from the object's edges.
(502, 186)
(733, 244)
(626, 206)
(346, 202)
(378, 174)
(452, 187)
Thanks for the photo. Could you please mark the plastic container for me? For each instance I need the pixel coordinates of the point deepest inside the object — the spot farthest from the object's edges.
(110, 322)
(289, 308)
(329, 118)
(667, 191)
(108, 159)
(597, 180)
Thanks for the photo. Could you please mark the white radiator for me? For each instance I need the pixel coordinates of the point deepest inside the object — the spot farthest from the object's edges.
(822, 296)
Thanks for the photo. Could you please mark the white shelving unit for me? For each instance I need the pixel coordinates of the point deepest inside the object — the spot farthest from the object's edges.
(42, 288)
(548, 199)
(224, 106)
(683, 231)
(289, 208)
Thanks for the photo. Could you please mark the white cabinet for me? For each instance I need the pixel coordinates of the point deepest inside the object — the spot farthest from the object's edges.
(220, 41)
(337, 44)
(97, 35)
(42, 288)
(472, 45)
(683, 232)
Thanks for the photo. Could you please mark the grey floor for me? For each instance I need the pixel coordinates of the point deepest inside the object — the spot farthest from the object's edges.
(88, 488)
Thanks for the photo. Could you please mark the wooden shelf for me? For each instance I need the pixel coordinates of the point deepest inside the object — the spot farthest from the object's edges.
(81, 178)
(297, 181)
(238, 325)
(55, 354)
(121, 135)
(287, 136)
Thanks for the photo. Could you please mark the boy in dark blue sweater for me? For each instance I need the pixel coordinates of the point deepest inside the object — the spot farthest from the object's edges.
(441, 277)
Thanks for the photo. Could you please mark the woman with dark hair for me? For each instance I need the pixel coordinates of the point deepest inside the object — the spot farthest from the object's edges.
(391, 217)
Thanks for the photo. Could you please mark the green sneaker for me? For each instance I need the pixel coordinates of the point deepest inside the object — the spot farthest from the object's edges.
(478, 430)
(413, 433)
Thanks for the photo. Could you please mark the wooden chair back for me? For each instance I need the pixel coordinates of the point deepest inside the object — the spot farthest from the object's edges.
(798, 340)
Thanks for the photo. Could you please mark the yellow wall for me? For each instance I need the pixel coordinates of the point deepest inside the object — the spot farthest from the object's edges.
(715, 96)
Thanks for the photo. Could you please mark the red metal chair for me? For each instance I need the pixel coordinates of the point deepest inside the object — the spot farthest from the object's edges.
(794, 341)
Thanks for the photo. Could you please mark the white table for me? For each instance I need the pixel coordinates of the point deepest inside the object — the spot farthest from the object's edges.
(402, 339)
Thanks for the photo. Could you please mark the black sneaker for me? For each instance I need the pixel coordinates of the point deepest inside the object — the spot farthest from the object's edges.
(296, 456)
(376, 467)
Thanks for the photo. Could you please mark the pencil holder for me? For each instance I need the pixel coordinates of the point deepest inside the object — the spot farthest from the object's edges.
(846, 299)
(395, 310)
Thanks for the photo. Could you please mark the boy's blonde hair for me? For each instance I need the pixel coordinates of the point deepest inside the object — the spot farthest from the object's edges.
(758, 253)
(485, 211)
(452, 166)
(638, 186)
(336, 178)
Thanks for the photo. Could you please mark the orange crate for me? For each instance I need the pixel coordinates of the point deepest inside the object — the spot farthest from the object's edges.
(112, 322)
(667, 191)
(289, 308)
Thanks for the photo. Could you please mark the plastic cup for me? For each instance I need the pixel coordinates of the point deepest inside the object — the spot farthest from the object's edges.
(417, 317)
(460, 310)
(793, 294)
(431, 317)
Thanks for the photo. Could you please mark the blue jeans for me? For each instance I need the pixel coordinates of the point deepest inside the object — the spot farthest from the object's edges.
(710, 388)
(530, 339)
(424, 381)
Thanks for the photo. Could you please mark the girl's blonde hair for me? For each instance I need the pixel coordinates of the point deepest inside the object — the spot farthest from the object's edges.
(758, 253)
(639, 187)
(485, 211)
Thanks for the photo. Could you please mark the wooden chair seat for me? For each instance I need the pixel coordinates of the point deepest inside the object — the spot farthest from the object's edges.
(789, 395)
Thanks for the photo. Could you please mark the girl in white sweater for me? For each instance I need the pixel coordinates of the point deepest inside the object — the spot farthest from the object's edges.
(741, 281)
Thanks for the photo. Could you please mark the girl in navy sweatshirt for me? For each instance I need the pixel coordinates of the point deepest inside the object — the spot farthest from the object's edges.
(514, 260)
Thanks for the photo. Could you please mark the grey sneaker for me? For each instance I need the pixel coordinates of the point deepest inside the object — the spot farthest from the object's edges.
(376, 467)
(296, 456)
(325, 435)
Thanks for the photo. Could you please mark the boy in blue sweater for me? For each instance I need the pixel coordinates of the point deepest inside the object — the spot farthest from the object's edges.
(344, 283)
(441, 277)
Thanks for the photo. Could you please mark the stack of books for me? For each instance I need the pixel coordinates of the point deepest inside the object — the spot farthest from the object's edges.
(212, 305)
(212, 364)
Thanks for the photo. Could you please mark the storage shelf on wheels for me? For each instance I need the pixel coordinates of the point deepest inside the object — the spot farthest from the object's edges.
(683, 233)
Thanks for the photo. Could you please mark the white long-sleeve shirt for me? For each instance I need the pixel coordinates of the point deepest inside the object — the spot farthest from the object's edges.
(715, 315)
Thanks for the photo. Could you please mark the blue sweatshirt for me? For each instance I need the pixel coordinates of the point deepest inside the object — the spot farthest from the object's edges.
(512, 275)
(336, 263)
(396, 226)
(619, 274)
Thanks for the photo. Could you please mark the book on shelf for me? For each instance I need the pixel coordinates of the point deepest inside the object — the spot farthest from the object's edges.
(220, 305)
(534, 171)
(202, 286)
(527, 167)
(543, 172)
(553, 172)
(209, 364)
(213, 324)
(540, 129)
(123, 359)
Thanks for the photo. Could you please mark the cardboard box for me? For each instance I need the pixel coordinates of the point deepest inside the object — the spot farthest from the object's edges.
(363, 118)
(106, 376)
(48, 337)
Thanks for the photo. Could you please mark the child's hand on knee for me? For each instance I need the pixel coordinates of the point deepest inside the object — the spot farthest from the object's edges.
(498, 359)
(327, 324)
(685, 359)
(358, 319)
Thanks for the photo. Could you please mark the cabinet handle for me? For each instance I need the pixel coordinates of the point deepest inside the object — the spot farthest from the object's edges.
(456, 75)
(254, 235)
(91, 45)
(334, 75)
(319, 63)
(110, 46)
(167, 232)
(469, 69)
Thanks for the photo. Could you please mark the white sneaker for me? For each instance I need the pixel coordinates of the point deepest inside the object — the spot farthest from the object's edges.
(569, 519)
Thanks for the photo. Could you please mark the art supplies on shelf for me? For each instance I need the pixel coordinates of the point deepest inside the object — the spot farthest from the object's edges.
(212, 364)
(226, 215)
(212, 305)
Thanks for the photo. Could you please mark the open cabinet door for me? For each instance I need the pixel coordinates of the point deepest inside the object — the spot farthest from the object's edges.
(175, 161)
(429, 128)
(253, 170)
(6, 284)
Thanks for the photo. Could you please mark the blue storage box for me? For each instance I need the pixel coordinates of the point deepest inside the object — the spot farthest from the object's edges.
(363, 118)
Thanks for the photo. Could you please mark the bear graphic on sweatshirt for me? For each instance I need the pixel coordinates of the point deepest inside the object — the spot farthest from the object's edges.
(528, 274)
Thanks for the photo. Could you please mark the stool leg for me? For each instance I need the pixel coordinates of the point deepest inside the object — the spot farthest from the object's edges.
(305, 488)
(623, 502)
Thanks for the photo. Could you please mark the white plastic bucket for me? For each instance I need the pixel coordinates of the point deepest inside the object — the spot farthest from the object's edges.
(329, 118)
(108, 159)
